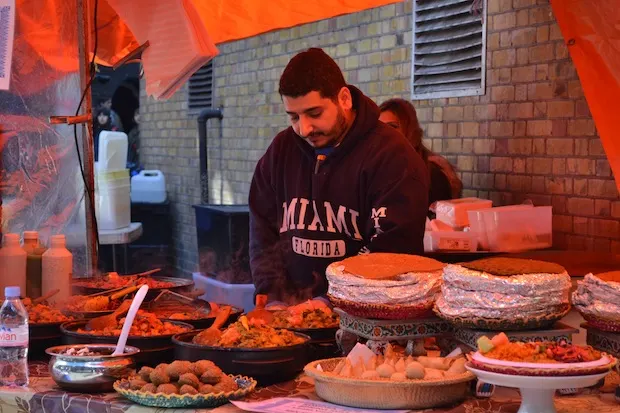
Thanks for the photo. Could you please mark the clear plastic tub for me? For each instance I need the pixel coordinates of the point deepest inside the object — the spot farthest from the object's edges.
(518, 228)
(238, 295)
(476, 222)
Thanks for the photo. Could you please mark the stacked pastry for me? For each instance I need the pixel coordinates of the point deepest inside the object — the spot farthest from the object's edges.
(597, 298)
(504, 293)
(395, 284)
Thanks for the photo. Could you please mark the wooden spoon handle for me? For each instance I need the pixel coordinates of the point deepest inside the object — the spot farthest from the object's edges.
(122, 308)
(45, 297)
(123, 292)
(261, 301)
(146, 273)
(221, 318)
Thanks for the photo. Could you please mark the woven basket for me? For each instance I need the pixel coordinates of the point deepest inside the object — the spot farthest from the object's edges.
(506, 324)
(383, 311)
(385, 393)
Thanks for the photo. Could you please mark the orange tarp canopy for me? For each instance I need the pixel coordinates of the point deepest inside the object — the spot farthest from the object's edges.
(225, 20)
(592, 31)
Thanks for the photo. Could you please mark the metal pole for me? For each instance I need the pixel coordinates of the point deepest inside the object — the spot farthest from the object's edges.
(84, 15)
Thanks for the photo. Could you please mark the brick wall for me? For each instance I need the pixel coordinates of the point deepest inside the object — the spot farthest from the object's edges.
(169, 142)
(530, 136)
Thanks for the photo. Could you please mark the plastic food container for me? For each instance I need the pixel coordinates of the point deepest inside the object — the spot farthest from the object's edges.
(454, 212)
(112, 200)
(238, 295)
(518, 228)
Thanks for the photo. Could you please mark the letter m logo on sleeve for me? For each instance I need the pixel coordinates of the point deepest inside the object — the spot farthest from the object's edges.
(376, 214)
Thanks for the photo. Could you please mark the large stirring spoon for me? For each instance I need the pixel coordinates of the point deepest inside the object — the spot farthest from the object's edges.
(133, 310)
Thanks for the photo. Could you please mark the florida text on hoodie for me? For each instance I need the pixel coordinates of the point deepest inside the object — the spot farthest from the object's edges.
(369, 195)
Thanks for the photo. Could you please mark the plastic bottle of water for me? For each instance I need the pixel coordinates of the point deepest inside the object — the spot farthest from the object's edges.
(13, 340)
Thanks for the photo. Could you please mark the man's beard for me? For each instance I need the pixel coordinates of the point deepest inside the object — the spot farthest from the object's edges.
(335, 134)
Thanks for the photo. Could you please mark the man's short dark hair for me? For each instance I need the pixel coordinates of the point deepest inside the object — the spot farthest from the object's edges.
(312, 71)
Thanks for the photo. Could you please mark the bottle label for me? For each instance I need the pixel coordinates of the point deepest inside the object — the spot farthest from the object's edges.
(14, 336)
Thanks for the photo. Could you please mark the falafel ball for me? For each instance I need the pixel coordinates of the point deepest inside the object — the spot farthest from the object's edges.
(159, 376)
(212, 375)
(178, 367)
(199, 367)
(167, 388)
(187, 389)
(207, 389)
(149, 388)
(137, 383)
(189, 379)
(227, 384)
(145, 373)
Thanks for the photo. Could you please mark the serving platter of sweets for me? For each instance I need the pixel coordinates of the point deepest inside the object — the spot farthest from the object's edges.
(391, 380)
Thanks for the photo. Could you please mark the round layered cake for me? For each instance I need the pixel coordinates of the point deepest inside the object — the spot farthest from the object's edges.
(504, 293)
(384, 285)
(597, 298)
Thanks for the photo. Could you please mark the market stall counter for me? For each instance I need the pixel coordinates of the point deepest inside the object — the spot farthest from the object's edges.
(43, 395)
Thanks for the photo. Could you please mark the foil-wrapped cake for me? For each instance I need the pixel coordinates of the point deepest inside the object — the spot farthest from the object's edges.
(597, 298)
(384, 285)
(504, 294)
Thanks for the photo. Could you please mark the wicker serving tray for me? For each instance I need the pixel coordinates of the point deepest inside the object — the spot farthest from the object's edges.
(385, 393)
(383, 311)
(505, 324)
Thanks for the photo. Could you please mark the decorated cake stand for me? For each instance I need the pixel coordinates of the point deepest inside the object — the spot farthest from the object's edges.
(380, 332)
(536, 391)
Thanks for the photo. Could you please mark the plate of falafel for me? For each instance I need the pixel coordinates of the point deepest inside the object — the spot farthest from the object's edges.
(184, 384)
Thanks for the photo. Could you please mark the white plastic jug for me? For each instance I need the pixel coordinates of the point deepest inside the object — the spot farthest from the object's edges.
(148, 187)
(113, 148)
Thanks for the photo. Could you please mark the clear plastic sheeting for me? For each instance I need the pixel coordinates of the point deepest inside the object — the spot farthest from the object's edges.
(41, 187)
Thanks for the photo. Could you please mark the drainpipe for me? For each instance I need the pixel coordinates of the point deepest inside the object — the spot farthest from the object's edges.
(203, 117)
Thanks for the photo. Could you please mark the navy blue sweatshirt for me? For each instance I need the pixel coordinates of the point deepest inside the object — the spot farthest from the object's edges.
(370, 194)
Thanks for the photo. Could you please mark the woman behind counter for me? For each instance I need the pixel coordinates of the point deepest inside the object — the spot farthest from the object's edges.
(401, 115)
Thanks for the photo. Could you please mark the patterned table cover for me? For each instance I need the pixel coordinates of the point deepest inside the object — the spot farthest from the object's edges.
(43, 396)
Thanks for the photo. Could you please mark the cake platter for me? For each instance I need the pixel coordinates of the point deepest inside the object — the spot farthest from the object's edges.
(536, 391)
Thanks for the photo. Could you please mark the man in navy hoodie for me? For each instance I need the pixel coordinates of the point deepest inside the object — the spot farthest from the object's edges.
(336, 183)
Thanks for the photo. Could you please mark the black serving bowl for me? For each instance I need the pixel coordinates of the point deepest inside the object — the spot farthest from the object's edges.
(322, 342)
(42, 336)
(266, 365)
(153, 349)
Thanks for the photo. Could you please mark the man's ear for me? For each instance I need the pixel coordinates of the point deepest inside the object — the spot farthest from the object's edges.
(345, 99)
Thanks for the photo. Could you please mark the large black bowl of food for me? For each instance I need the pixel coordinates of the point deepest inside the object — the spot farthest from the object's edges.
(267, 354)
(315, 319)
(151, 335)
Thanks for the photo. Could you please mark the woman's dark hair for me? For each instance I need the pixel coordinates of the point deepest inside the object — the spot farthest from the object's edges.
(312, 71)
(408, 118)
(104, 111)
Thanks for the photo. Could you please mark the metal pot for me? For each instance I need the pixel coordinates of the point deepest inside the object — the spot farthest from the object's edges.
(266, 365)
(153, 349)
(90, 374)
